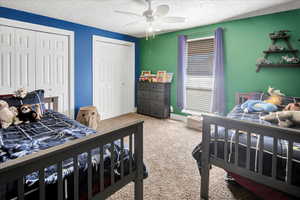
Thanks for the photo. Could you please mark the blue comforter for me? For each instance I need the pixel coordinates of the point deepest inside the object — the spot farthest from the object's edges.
(237, 113)
(52, 130)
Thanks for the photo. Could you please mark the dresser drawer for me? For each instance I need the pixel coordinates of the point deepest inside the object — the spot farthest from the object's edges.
(157, 110)
(144, 86)
(144, 94)
(157, 96)
(143, 107)
(157, 87)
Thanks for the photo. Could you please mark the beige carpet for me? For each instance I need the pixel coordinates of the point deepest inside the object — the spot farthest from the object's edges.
(173, 173)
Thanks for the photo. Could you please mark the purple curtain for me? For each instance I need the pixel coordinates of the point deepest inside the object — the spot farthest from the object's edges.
(181, 71)
(218, 101)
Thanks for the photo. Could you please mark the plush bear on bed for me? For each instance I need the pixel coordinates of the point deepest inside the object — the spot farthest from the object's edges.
(284, 118)
(26, 114)
(8, 115)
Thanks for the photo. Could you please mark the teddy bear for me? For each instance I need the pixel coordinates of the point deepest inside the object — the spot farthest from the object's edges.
(284, 118)
(26, 114)
(275, 96)
(21, 93)
(292, 107)
(8, 115)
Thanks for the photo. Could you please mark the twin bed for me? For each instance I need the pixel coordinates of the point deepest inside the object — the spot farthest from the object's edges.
(58, 158)
(250, 148)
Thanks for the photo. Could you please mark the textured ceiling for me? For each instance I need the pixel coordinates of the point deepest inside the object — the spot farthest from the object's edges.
(100, 13)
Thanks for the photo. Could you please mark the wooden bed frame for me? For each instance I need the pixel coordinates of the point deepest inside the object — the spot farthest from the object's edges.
(131, 133)
(245, 127)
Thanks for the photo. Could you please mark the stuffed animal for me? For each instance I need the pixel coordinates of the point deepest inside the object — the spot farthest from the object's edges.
(16, 113)
(275, 96)
(260, 61)
(292, 107)
(281, 33)
(21, 93)
(38, 110)
(26, 114)
(289, 60)
(273, 47)
(284, 118)
(258, 106)
(8, 115)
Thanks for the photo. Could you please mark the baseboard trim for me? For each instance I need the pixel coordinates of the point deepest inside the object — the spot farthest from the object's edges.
(178, 117)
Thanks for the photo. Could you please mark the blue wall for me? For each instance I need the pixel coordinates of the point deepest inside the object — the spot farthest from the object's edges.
(83, 49)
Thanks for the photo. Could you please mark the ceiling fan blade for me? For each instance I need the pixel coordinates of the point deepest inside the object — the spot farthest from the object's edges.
(128, 13)
(142, 2)
(174, 19)
(134, 22)
(161, 10)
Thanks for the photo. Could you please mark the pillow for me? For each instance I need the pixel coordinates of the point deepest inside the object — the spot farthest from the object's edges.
(34, 97)
(11, 100)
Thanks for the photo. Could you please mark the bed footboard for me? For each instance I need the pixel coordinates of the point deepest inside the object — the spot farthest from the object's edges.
(211, 156)
(131, 134)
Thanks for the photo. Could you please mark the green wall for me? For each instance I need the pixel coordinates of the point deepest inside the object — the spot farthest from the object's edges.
(244, 41)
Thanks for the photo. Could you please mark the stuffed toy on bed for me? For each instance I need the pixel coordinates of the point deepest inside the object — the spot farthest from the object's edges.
(275, 96)
(26, 114)
(258, 106)
(21, 93)
(284, 118)
(8, 115)
(292, 107)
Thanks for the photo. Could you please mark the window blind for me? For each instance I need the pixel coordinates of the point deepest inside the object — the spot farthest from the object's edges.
(200, 57)
(199, 70)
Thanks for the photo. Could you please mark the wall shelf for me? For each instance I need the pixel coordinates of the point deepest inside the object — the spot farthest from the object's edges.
(279, 35)
(282, 51)
(276, 65)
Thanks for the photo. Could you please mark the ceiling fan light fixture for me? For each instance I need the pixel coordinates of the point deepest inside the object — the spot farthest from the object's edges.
(150, 32)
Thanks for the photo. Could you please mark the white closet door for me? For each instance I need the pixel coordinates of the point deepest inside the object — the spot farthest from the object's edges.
(127, 79)
(113, 79)
(24, 72)
(17, 59)
(52, 67)
(7, 60)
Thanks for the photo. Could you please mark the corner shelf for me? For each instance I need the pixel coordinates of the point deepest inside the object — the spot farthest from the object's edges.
(282, 51)
(276, 65)
(279, 37)
(288, 49)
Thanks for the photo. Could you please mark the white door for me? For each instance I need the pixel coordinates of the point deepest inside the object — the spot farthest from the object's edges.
(113, 77)
(17, 59)
(52, 67)
(25, 59)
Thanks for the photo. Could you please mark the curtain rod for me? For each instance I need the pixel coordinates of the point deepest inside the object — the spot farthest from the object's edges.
(203, 32)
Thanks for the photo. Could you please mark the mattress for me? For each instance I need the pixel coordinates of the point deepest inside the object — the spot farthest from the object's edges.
(52, 130)
(237, 113)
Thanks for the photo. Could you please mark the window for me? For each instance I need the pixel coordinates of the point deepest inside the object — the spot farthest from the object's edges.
(199, 75)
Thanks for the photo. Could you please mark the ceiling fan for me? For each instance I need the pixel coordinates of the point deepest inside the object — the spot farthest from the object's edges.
(152, 15)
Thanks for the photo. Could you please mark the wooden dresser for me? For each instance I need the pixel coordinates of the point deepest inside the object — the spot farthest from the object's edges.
(154, 99)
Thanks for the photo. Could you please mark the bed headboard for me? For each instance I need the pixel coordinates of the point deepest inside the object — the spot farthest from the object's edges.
(51, 103)
(241, 97)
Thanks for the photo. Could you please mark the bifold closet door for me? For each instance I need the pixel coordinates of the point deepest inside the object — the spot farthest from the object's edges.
(113, 78)
(52, 67)
(17, 59)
